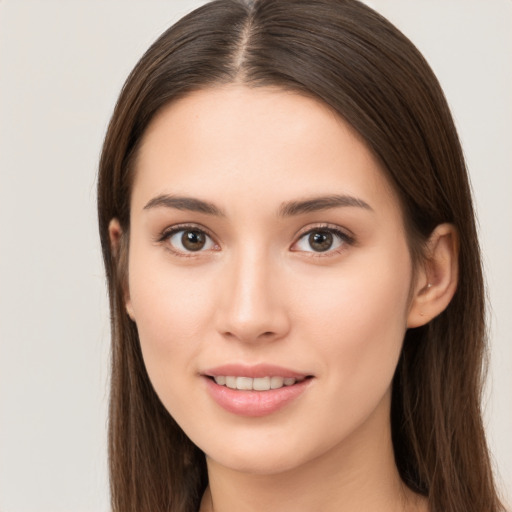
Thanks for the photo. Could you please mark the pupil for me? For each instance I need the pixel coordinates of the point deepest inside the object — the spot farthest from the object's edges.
(193, 240)
(320, 241)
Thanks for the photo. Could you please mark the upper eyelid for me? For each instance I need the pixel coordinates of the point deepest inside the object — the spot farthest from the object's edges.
(175, 228)
(326, 227)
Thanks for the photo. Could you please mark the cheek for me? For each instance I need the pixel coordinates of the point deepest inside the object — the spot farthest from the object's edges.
(172, 310)
(358, 323)
(171, 314)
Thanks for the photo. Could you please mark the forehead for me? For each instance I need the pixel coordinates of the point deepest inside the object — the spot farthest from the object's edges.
(255, 144)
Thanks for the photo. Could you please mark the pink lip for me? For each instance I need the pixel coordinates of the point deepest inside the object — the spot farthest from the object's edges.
(254, 403)
(259, 370)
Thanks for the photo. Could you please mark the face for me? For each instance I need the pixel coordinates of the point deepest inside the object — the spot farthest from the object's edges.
(269, 277)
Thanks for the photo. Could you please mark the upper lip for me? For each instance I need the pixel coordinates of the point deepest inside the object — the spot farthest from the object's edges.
(254, 371)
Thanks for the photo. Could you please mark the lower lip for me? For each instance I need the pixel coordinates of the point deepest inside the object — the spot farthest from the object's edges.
(255, 403)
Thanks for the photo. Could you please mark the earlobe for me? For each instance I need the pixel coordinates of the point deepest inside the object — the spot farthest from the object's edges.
(437, 282)
(115, 233)
(129, 309)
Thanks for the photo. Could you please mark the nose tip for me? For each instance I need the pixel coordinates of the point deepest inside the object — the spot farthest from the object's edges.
(252, 307)
(253, 315)
(251, 332)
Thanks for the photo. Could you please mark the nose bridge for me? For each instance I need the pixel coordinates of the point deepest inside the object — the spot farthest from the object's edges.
(252, 308)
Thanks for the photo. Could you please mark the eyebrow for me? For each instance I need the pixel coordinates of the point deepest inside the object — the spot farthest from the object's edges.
(184, 203)
(316, 204)
(287, 209)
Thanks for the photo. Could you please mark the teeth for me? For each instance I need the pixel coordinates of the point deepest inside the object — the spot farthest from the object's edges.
(257, 384)
(261, 384)
(276, 382)
(244, 383)
(231, 382)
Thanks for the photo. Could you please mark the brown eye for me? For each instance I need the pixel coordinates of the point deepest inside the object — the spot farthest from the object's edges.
(193, 240)
(320, 241)
(189, 240)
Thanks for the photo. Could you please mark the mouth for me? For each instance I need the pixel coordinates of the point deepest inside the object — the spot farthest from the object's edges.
(256, 390)
(256, 383)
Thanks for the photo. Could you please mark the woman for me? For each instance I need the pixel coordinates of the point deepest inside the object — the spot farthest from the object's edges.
(294, 275)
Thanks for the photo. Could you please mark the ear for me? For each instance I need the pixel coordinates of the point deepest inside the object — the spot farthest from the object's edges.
(115, 234)
(436, 281)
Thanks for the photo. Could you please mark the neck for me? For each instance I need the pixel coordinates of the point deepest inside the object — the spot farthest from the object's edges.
(358, 474)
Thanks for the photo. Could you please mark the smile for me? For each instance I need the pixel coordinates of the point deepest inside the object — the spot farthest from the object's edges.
(255, 384)
(255, 391)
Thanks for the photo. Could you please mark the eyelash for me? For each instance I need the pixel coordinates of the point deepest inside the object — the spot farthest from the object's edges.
(166, 235)
(343, 237)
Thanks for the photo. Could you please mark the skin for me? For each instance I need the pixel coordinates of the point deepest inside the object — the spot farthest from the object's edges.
(258, 292)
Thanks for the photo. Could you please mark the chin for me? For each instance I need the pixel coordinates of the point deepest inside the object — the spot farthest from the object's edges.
(257, 462)
(266, 451)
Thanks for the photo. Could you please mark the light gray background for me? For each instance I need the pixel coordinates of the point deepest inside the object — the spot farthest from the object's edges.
(62, 64)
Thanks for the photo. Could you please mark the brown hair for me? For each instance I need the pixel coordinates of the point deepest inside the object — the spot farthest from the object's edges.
(351, 58)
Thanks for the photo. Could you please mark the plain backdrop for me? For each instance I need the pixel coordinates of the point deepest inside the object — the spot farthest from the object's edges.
(62, 64)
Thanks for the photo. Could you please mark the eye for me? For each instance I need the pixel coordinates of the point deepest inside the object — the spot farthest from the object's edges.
(322, 240)
(189, 240)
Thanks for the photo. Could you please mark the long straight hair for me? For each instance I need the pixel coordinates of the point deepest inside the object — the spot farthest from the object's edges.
(355, 61)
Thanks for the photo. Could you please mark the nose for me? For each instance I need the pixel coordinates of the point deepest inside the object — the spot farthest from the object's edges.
(252, 302)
